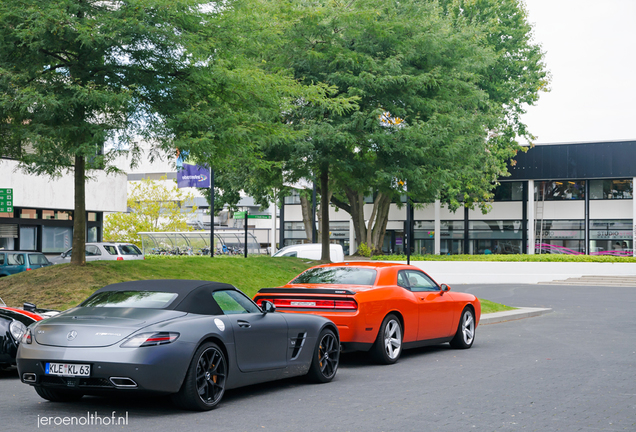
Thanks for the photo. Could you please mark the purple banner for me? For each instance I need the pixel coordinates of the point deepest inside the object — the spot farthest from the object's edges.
(193, 176)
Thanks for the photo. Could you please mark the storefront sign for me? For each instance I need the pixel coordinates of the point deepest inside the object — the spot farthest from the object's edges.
(610, 235)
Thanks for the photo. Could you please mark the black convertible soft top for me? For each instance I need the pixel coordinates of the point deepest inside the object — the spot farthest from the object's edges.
(194, 296)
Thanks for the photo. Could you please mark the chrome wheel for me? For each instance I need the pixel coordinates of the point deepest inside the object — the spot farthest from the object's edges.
(328, 355)
(468, 327)
(392, 339)
(210, 376)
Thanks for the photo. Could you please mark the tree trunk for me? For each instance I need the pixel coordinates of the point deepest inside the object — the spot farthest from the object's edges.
(325, 197)
(356, 202)
(305, 207)
(78, 256)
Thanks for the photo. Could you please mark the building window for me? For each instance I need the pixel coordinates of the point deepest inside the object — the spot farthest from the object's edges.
(611, 189)
(611, 237)
(28, 214)
(57, 215)
(91, 235)
(28, 238)
(294, 198)
(495, 237)
(560, 236)
(509, 191)
(56, 239)
(559, 190)
(92, 217)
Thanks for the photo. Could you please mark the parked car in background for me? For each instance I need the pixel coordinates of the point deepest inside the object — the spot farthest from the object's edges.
(104, 251)
(311, 251)
(13, 325)
(381, 307)
(12, 262)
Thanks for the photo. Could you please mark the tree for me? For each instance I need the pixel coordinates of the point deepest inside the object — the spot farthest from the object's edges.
(439, 100)
(152, 207)
(77, 74)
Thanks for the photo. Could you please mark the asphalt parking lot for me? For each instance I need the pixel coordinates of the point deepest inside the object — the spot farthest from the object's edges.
(573, 369)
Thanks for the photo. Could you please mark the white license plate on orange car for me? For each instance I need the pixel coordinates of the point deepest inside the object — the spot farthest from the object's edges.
(68, 369)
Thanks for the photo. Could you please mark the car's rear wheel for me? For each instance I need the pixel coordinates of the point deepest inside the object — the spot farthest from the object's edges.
(324, 364)
(388, 345)
(465, 335)
(204, 384)
(56, 395)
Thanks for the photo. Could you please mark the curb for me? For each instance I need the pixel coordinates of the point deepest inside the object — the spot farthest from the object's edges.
(519, 313)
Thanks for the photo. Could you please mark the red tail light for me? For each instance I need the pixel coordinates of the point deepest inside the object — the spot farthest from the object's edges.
(28, 269)
(309, 303)
(120, 258)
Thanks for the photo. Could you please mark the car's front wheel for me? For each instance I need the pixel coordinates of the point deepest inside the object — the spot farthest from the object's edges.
(204, 384)
(388, 345)
(324, 364)
(465, 335)
(56, 395)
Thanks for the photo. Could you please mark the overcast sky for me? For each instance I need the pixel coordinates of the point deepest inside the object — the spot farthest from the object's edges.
(590, 50)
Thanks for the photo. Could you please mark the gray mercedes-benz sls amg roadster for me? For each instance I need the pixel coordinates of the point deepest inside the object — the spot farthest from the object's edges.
(191, 339)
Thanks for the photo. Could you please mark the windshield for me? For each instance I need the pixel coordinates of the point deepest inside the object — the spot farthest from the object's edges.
(337, 275)
(38, 259)
(129, 250)
(133, 299)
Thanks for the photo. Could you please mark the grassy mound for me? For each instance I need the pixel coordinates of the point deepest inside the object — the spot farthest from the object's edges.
(63, 286)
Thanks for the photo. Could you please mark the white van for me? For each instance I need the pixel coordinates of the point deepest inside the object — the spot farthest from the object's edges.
(312, 251)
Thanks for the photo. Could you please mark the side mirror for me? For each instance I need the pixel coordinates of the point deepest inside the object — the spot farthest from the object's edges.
(445, 288)
(29, 307)
(63, 255)
(268, 306)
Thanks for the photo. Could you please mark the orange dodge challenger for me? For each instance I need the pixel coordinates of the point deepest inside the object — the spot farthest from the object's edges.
(382, 307)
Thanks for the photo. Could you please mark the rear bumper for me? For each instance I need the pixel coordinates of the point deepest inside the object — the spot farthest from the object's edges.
(160, 369)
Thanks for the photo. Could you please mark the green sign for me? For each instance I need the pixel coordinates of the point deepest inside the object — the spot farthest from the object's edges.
(6, 200)
(241, 215)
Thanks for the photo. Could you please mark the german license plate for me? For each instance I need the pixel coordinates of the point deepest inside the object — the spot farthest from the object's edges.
(68, 369)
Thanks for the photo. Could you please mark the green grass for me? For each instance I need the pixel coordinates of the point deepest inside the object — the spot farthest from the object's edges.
(63, 286)
(511, 258)
(489, 307)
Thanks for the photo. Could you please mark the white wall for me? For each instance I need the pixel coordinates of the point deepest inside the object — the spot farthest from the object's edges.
(500, 211)
(562, 210)
(103, 192)
(611, 209)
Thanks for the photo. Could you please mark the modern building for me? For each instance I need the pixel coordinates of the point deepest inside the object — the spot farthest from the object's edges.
(41, 216)
(559, 198)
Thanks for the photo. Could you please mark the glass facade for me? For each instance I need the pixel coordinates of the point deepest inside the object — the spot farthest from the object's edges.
(509, 191)
(611, 189)
(56, 239)
(28, 238)
(560, 236)
(495, 237)
(611, 235)
(559, 190)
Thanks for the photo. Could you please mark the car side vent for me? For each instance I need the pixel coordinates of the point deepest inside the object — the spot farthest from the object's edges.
(297, 344)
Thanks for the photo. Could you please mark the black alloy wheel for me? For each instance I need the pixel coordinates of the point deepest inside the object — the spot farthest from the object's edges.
(204, 384)
(324, 364)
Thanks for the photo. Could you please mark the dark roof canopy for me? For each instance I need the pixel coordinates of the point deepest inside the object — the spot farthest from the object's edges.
(576, 161)
(194, 296)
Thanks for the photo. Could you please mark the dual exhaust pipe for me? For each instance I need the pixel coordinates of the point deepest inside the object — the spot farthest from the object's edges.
(119, 382)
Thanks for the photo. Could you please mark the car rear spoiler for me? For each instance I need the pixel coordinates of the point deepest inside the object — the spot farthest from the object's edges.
(329, 291)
